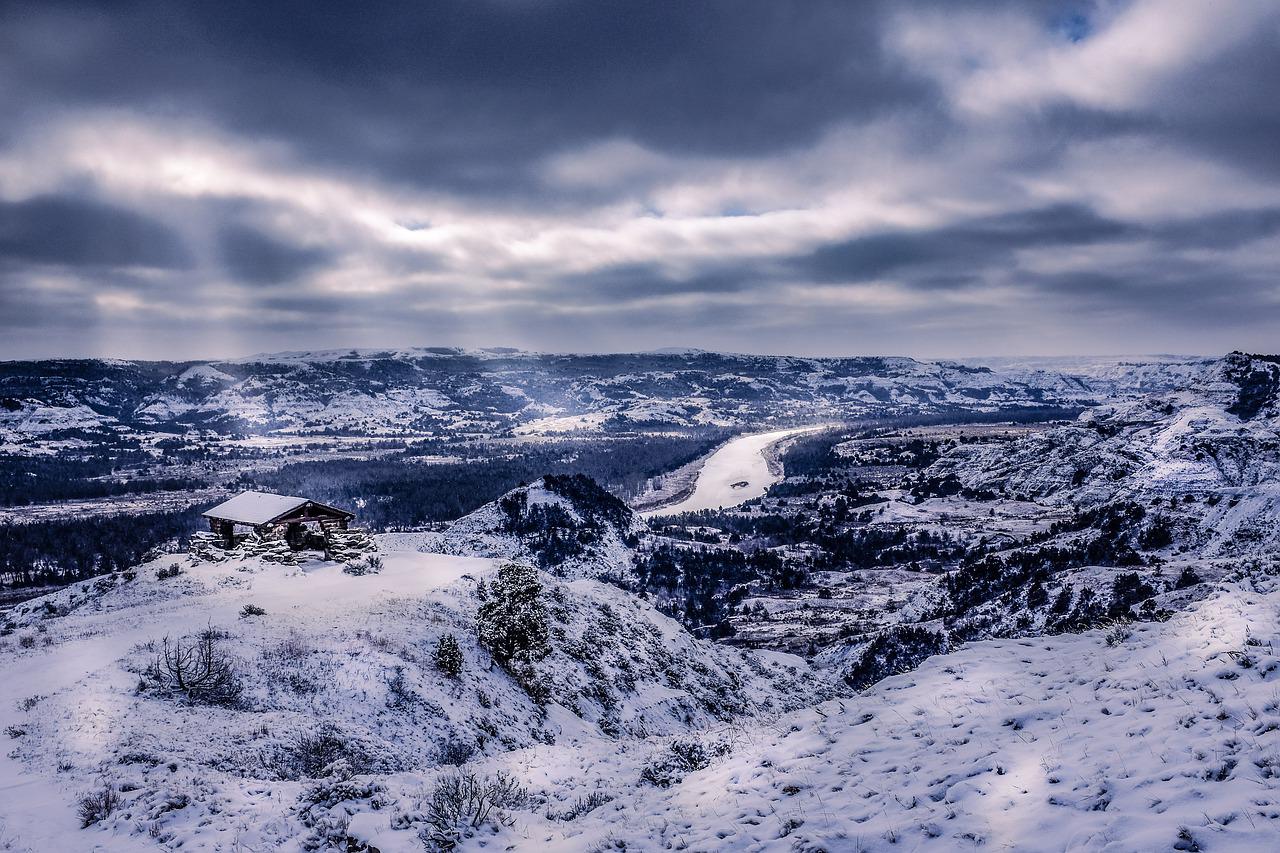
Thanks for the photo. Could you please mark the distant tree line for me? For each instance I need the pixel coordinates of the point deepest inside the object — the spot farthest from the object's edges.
(25, 481)
(842, 548)
(44, 553)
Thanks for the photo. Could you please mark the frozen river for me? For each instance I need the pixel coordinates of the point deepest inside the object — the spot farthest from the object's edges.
(732, 475)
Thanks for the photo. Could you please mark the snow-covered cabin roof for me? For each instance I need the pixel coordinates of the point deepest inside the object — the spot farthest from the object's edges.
(262, 508)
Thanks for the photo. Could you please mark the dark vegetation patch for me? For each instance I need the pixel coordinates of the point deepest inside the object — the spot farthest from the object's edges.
(42, 553)
(553, 532)
(25, 481)
(900, 649)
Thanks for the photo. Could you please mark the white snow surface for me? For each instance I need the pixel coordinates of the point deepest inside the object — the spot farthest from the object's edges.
(332, 649)
(734, 474)
(1164, 736)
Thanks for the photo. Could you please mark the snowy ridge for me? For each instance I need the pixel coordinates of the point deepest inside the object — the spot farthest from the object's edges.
(1212, 450)
(567, 525)
(1163, 738)
(407, 391)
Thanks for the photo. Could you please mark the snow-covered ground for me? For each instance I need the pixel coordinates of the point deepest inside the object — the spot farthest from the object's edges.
(37, 807)
(327, 653)
(1160, 736)
(733, 474)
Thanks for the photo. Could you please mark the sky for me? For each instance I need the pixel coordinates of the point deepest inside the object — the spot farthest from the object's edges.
(937, 179)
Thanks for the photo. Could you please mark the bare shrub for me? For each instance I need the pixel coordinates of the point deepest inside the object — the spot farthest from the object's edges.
(400, 694)
(252, 610)
(1118, 632)
(292, 649)
(581, 806)
(201, 670)
(455, 752)
(172, 571)
(377, 641)
(97, 805)
(609, 843)
(462, 803)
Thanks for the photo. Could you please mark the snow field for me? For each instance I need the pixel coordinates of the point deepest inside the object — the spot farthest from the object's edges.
(1161, 735)
(333, 654)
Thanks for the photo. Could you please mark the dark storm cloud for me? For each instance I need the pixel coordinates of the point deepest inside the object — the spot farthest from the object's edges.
(1226, 229)
(257, 258)
(1226, 106)
(79, 232)
(628, 282)
(975, 243)
(466, 94)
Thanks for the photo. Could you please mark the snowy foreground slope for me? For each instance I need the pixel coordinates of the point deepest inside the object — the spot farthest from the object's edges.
(339, 684)
(1161, 735)
(1167, 737)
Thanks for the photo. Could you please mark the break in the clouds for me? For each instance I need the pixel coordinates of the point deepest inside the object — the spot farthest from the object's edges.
(931, 178)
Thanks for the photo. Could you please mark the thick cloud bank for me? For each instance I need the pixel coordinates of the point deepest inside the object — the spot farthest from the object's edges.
(929, 178)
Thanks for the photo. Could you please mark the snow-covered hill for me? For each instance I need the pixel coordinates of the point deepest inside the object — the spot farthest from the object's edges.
(567, 525)
(1208, 453)
(329, 667)
(397, 392)
(1162, 737)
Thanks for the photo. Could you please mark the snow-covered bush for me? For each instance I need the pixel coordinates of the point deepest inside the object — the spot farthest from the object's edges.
(326, 807)
(581, 806)
(448, 656)
(1118, 632)
(370, 564)
(455, 752)
(681, 757)
(463, 803)
(1189, 577)
(900, 649)
(512, 622)
(252, 610)
(172, 571)
(315, 754)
